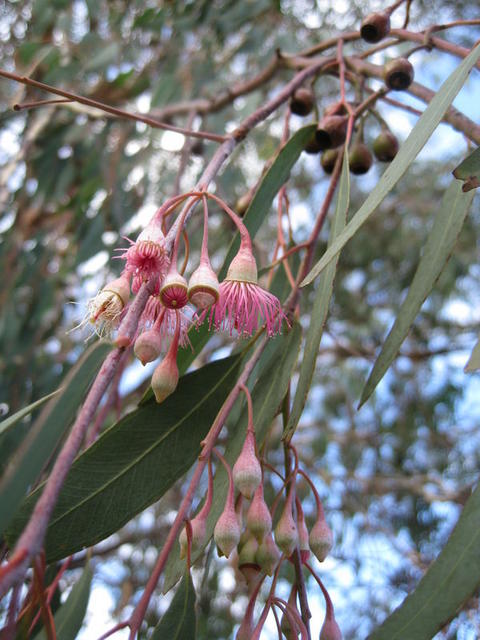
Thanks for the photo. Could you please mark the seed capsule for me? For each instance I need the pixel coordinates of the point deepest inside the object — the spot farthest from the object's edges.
(375, 27)
(360, 159)
(331, 132)
(329, 158)
(385, 146)
(398, 74)
(302, 101)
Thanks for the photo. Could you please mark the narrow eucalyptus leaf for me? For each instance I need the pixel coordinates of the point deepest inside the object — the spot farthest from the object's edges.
(44, 436)
(450, 581)
(320, 308)
(179, 620)
(440, 243)
(469, 171)
(133, 462)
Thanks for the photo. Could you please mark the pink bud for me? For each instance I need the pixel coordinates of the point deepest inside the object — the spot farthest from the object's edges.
(165, 378)
(330, 629)
(303, 541)
(173, 292)
(247, 472)
(321, 539)
(203, 287)
(148, 346)
(227, 531)
(286, 533)
(259, 520)
(268, 555)
(243, 267)
(247, 562)
(199, 532)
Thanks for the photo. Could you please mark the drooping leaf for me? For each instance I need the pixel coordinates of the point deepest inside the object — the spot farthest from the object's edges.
(44, 436)
(133, 463)
(441, 240)
(68, 619)
(179, 620)
(419, 135)
(320, 308)
(274, 371)
(11, 421)
(473, 363)
(469, 171)
(450, 581)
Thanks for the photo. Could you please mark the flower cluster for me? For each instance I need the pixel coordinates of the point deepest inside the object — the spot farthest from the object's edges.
(238, 305)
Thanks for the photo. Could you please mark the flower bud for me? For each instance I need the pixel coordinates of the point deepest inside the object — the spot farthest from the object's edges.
(302, 534)
(259, 520)
(330, 629)
(173, 292)
(247, 472)
(199, 532)
(203, 287)
(247, 562)
(227, 530)
(331, 131)
(329, 158)
(268, 555)
(302, 101)
(288, 625)
(360, 159)
(321, 539)
(398, 74)
(243, 203)
(165, 378)
(243, 267)
(375, 27)
(385, 146)
(286, 533)
(148, 346)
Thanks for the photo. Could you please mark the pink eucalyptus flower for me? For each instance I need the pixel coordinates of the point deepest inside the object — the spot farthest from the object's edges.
(147, 257)
(243, 303)
(164, 321)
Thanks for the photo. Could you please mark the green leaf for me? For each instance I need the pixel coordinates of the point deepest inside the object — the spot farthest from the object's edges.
(68, 619)
(274, 372)
(440, 243)
(134, 462)
(11, 421)
(257, 211)
(419, 135)
(320, 308)
(179, 621)
(473, 363)
(450, 581)
(469, 171)
(45, 435)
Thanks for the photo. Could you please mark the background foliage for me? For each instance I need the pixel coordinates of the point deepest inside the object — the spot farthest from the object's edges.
(393, 476)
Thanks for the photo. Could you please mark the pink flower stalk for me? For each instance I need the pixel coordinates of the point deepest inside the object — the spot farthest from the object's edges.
(243, 303)
(147, 257)
(303, 542)
(199, 523)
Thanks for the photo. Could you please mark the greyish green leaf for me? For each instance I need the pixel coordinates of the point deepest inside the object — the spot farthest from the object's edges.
(11, 421)
(68, 619)
(473, 363)
(419, 135)
(469, 171)
(441, 240)
(133, 462)
(320, 308)
(179, 620)
(450, 581)
(269, 384)
(44, 436)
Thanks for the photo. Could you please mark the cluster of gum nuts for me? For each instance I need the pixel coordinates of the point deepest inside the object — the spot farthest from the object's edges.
(332, 129)
(260, 548)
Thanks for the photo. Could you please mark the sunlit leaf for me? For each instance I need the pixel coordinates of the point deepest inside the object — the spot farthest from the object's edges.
(450, 581)
(441, 240)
